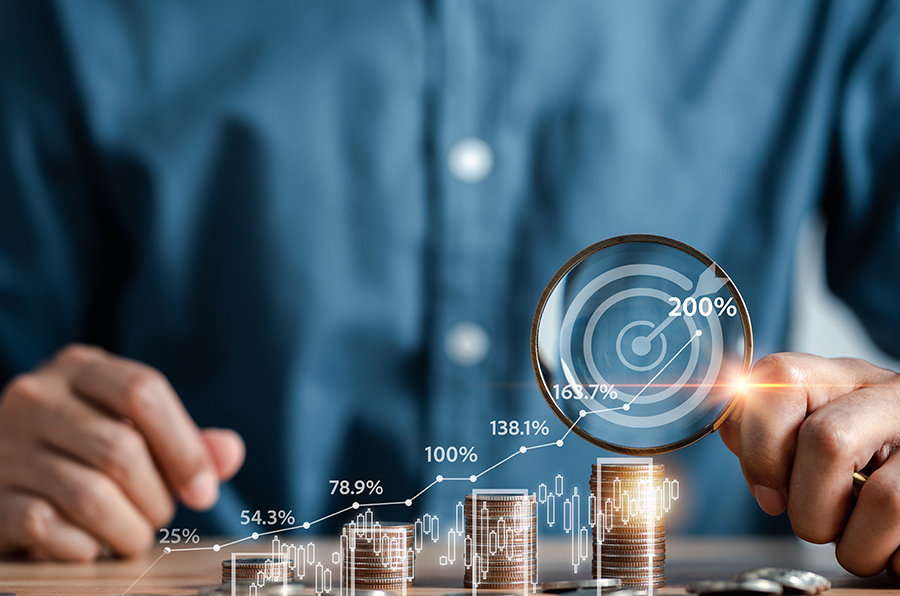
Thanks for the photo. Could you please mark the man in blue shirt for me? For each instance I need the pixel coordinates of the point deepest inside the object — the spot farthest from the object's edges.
(327, 225)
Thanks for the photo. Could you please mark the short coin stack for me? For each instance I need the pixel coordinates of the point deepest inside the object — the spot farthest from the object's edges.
(258, 570)
(378, 556)
(501, 541)
(631, 545)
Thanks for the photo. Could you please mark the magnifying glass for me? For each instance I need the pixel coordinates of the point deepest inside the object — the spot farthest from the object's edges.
(641, 345)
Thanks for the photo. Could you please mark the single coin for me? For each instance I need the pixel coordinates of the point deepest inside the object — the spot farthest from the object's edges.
(748, 586)
(524, 513)
(382, 558)
(516, 579)
(580, 584)
(497, 586)
(388, 587)
(510, 517)
(372, 574)
(378, 574)
(623, 539)
(491, 527)
(616, 569)
(387, 560)
(364, 577)
(654, 530)
(498, 562)
(635, 550)
(639, 575)
(378, 567)
(384, 579)
(793, 581)
(377, 585)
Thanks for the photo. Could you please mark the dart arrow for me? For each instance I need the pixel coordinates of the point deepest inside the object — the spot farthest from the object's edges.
(709, 282)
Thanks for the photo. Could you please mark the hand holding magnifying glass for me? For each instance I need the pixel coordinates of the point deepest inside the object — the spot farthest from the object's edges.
(641, 345)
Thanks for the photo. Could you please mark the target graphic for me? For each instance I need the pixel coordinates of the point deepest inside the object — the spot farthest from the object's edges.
(640, 343)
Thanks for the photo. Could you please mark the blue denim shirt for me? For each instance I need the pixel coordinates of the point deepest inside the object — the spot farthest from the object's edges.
(255, 198)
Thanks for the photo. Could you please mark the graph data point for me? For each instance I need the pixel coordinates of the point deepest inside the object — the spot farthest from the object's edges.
(356, 504)
(559, 443)
(409, 502)
(582, 413)
(167, 550)
(473, 478)
(523, 449)
(439, 478)
(216, 547)
(626, 407)
(255, 535)
(698, 332)
(305, 525)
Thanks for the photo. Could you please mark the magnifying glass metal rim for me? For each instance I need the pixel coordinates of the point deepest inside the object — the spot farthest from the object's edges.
(733, 401)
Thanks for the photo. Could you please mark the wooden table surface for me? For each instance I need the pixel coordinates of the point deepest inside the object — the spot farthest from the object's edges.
(687, 559)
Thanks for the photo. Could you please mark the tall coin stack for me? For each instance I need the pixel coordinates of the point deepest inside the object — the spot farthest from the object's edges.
(378, 556)
(258, 570)
(501, 541)
(631, 544)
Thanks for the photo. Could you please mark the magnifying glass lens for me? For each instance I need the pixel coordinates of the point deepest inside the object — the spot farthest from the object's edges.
(641, 344)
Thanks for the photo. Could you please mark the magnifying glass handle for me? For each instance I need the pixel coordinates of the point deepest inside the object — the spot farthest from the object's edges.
(859, 478)
(734, 418)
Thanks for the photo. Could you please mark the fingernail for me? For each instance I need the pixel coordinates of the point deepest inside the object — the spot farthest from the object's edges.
(770, 500)
(203, 490)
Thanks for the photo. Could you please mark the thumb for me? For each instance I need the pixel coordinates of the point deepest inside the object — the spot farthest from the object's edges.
(227, 450)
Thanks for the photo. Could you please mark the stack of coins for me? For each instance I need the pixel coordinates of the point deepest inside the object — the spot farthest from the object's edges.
(378, 556)
(629, 530)
(501, 541)
(258, 570)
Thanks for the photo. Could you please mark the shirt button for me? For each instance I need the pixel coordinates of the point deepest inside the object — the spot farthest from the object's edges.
(467, 344)
(470, 160)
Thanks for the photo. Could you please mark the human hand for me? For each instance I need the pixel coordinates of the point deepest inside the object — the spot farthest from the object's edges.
(808, 424)
(94, 449)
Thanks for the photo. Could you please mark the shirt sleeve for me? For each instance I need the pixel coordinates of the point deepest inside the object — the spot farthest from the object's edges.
(51, 247)
(862, 197)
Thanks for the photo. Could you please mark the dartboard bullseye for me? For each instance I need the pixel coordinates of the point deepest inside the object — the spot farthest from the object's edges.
(641, 344)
